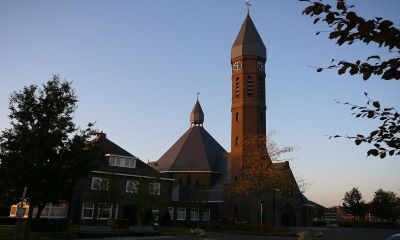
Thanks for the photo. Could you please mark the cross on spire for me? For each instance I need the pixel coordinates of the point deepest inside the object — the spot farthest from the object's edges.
(248, 6)
(198, 93)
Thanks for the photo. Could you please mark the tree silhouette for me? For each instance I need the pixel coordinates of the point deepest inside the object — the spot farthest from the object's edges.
(346, 27)
(354, 204)
(44, 150)
(383, 204)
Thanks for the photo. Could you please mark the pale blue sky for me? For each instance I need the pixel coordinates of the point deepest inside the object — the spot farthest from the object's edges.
(137, 65)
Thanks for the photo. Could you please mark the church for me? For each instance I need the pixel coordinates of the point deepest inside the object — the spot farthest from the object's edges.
(204, 171)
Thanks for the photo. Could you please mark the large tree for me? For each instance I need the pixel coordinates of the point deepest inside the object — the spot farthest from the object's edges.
(257, 174)
(354, 204)
(383, 204)
(347, 27)
(43, 149)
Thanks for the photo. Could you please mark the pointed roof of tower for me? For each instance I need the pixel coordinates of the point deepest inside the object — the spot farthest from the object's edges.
(197, 115)
(248, 42)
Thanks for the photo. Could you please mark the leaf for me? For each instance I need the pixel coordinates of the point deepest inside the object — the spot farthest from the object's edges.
(383, 155)
(316, 20)
(376, 104)
(358, 141)
(385, 24)
(341, 5)
(366, 94)
(373, 152)
(319, 70)
(317, 33)
(374, 56)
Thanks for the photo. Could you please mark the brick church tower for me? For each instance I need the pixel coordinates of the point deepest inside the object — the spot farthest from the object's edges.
(248, 57)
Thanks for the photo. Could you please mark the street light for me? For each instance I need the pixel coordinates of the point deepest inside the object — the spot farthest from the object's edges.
(273, 205)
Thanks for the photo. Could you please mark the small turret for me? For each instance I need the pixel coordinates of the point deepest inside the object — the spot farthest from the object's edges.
(197, 115)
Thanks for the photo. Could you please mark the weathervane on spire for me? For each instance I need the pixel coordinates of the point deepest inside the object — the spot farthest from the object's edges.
(198, 93)
(248, 6)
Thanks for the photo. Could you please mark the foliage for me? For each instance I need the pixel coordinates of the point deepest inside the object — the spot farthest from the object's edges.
(386, 138)
(353, 203)
(145, 201)
(347, 27)
(383, 204)
(166, 219)
(258, 156)
(44, 150)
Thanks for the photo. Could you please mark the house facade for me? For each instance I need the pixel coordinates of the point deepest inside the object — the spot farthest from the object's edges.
(122, 187)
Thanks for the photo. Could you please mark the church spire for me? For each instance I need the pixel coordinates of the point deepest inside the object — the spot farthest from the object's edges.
(197, 115)
(248, 42)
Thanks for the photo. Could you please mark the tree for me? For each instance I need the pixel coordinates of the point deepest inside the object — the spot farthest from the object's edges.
(259, 154)
(347, 27)
(383, 204)
(258, 174)
(354, 204)
(43, 149)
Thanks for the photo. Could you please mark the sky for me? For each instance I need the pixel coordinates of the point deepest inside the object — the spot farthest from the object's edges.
(136, 67)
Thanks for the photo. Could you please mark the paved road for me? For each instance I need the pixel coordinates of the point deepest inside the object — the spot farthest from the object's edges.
(328, 234)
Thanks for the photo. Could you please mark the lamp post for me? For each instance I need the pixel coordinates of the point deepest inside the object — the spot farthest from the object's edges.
(261, 213)
(273, 205)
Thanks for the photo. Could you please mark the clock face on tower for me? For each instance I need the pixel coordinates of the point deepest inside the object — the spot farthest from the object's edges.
(237, 66)
(260, 66)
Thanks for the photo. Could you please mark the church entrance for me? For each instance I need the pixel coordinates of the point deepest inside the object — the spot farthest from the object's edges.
(288, 216)
(129, 212)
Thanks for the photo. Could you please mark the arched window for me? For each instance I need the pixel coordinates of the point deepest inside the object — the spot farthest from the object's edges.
(237, 86)
(189, 180)
(249, 86)
(237, 117)
(237, 140)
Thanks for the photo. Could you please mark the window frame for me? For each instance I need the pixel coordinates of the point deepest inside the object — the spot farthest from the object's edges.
(171, 210)
(87, 208)
(154, 190)
(206, 212)
(135, 189)
(179, 212)
(92, 187)
(110, 209)
(194, 214)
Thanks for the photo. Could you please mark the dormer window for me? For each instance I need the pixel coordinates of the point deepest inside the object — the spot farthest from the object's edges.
(121, 161)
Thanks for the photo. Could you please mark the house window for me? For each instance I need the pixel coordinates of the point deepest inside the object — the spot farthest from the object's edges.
(118, 161)
(100, 183)
(206, 214)
(237, 141)
(132, 186)
(237, 87)
(249, 86)
(87, 210)
(154, 188)
(104, 211)
(237, 117)
(194, 214)
(181, 214)
(155, 212)
(171, 212)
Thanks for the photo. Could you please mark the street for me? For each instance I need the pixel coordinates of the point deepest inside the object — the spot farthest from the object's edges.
(328, 234)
